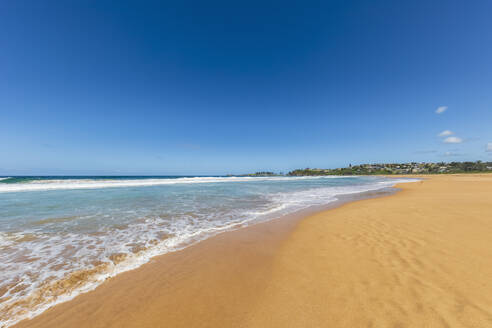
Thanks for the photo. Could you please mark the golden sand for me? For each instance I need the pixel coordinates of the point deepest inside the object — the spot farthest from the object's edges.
(419, 258)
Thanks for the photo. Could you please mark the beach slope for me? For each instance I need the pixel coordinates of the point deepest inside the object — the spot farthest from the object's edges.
(418, 258)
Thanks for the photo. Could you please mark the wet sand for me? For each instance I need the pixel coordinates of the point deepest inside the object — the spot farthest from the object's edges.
(419, 258)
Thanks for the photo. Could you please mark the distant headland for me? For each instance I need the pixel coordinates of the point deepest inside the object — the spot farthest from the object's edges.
(388, 169)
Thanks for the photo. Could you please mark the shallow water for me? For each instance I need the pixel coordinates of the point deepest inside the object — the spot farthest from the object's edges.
(60, 236)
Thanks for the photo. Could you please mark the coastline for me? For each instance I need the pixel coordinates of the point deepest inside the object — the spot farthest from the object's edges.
(278, 227)
(84, 280)
(283, 271)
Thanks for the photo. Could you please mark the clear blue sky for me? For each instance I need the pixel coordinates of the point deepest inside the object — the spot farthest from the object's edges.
(214, 87)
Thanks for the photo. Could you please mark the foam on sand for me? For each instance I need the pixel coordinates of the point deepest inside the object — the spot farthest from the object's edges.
(420, 258)
(54, 259)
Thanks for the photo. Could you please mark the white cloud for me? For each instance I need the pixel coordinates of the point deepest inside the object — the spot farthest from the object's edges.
(441, 109)
(446, 133)
(453, 140)
(489, 147)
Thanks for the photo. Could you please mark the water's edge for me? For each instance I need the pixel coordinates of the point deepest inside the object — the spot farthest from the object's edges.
(297, 216)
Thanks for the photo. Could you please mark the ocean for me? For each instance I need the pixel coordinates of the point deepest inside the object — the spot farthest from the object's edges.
(61, 236)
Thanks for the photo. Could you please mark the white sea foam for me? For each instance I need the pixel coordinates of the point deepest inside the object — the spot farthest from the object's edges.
(65, 184)
(69, 251)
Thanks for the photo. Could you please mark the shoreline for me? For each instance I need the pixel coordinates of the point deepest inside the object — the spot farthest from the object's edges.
(72, 287)
(280, 224)
(231, 279)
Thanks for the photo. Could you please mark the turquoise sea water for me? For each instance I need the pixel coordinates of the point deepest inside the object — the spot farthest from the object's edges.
(60, 236)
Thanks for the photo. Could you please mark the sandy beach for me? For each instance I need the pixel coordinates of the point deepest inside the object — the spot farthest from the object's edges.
(419, 258)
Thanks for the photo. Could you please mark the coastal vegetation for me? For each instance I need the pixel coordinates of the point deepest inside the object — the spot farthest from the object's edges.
(399, 168)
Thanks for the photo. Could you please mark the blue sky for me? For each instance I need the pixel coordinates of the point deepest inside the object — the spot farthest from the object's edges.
(215, 87)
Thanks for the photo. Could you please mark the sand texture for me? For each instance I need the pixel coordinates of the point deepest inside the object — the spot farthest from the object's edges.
(419, 258)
